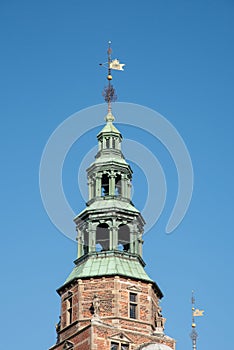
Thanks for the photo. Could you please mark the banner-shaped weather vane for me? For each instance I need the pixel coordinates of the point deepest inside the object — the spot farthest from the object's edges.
(109, 91)
(195, 313)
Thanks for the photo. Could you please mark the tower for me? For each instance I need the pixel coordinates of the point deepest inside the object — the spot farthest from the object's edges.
(108, 301)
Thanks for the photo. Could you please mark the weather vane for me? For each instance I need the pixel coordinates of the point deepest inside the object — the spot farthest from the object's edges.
(109, 91)
(195, 313)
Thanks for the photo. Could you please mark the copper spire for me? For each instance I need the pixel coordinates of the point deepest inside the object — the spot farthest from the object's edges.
(109, 93)
(195, 313)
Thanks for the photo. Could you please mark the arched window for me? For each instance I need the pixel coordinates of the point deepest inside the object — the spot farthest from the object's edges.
(102, 237)
(124, 238)
(118, 185)
(105, 185)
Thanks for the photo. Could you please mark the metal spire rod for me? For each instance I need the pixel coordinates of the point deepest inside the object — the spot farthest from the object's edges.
(109, 91)
(193, 334)
(109, 52)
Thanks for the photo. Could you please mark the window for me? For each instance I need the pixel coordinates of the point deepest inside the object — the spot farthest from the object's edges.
(114, 346)
(102, 237)
(133, 305)
(119, 346)
(105, 185)
(124, 346)
(67, 345)
(118, 185)
(123, 238)
(69, 308)
(107, 143)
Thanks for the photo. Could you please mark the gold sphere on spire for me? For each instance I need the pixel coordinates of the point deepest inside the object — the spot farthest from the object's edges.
(109, 77)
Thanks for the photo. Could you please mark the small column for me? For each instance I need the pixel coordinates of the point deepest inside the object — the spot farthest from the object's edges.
(133, 239)
(92, 236)
(98, 185)
(112, 184)
(114, 235)
(129, 186)
(99, 145)
(111, 237)
(80, 243)
(90, 182)
(118, 144)
(93, 188)
(134, 232)
(140, 243)
(124, 185)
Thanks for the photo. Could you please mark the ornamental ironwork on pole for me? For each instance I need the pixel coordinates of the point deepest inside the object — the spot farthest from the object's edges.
(195, 313)
(109, 93)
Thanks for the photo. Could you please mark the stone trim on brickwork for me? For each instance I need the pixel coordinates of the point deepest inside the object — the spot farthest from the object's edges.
(121, 337)
(134, 289)
(154, 346)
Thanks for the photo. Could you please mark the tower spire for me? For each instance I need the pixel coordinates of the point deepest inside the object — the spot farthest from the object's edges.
(195, 313)
(108, 301)
(109, 93)
(193, 334)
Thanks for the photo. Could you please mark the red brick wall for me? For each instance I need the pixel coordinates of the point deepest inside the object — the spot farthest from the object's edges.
(113, 293)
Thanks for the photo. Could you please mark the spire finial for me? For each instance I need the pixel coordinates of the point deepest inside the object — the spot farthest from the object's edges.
(195, 313)
(109, 91)
(193, 334)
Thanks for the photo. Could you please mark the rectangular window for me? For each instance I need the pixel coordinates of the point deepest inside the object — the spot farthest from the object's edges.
(119, 346)
(114, 346)
(133, 297)
(69, 309)
(124, 347)
(133, 305)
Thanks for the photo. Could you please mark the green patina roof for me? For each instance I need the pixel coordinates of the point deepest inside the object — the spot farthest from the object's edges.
(109, 264)
(109, 127)
(112, 204)
(111, 158)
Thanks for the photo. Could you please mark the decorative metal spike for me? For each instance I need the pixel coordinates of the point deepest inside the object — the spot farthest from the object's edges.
(193, 298)
(194, 335)
(109, 94)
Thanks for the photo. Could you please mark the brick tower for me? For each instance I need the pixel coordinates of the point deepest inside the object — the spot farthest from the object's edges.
(108, 302)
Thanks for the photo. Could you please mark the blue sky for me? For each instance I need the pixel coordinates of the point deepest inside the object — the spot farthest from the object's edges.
(179, 61)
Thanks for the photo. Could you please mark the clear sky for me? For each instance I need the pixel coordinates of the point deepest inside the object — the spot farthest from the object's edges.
(179, 61)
